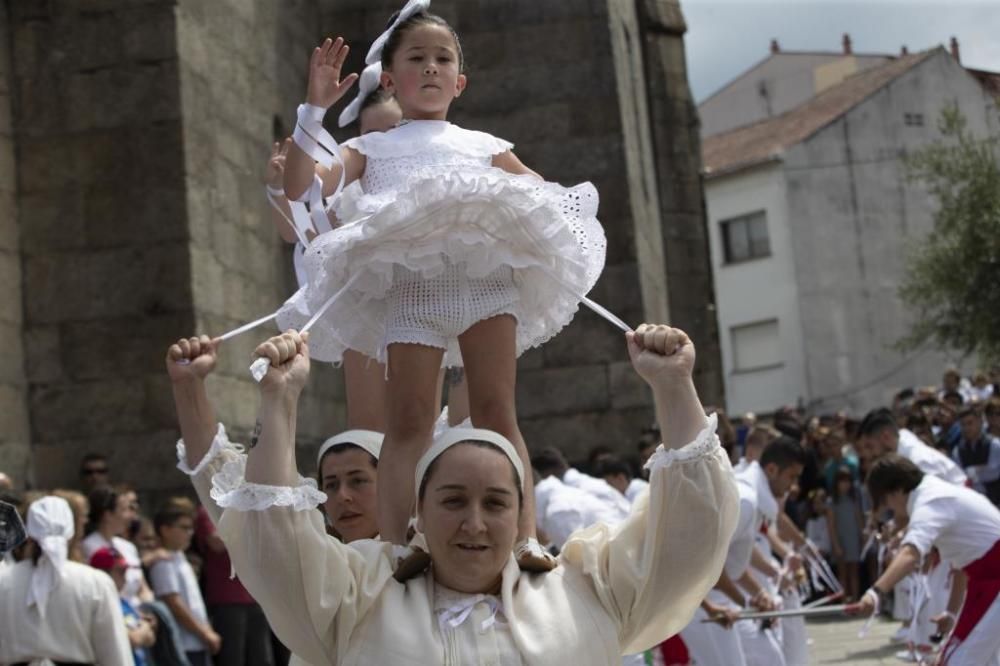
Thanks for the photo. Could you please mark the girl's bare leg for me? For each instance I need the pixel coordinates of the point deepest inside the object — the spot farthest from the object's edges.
(410, 415)
(458, 397)
(364, 380)
(488, 352)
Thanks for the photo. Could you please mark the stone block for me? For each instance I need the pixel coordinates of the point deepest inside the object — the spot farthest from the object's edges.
(43, 358)
(627, 388)
(9, 235)
(562, 390)
(577, 434)
(15, 462)
(85, 409)
(13, 414)
(10, 291)
(588, 339)
(208, 280)
(11, 354)
(51, 220)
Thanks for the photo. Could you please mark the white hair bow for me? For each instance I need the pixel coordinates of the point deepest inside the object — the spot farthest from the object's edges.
(368, 82)
(408, 10)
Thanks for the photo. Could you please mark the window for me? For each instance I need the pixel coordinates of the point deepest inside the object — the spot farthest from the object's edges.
(745, 238)
(913, 119)
(756, 346)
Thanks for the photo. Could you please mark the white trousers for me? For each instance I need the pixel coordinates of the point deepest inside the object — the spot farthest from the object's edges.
(711, 644)
(760, 647)
(981, 647)
(794, 638)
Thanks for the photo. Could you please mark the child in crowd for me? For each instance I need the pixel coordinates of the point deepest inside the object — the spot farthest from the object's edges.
(845, 525)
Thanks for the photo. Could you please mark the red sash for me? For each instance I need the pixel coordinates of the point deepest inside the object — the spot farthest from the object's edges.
(984, 587)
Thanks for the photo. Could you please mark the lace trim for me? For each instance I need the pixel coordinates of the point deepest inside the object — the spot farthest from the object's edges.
(704, 445)
(220, 443)
(417, 137)
(231, 490)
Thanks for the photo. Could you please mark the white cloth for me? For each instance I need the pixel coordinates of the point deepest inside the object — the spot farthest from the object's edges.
(50, 524)
(601, 489)
(794, 636)
(615, 591)
(430, 197)
(963, 524)
(929, 460)
(134, 577)
(561, 510)
(934, 602)
(818, 531)
(453, 436)
(635, 487)
(761, 647)
(981, 474)
(710, 644)
(83, 623)
(982, 646)
(175, 576)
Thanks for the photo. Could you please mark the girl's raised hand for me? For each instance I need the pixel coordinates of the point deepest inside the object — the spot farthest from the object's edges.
(325, 85)
(276, 163)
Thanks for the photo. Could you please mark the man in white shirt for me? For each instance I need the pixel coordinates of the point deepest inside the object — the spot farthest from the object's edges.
(759, 485)
(618, 474)
(561, 510)
(879, 435)
(965, 528)
(551, 462)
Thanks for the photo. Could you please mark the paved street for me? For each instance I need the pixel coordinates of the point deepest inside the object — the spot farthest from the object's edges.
(837, 642)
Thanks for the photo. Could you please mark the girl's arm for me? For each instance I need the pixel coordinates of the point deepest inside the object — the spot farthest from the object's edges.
(275, 186)
(510, 163)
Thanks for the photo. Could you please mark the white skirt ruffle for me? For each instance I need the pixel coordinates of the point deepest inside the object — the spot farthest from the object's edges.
(548, 234)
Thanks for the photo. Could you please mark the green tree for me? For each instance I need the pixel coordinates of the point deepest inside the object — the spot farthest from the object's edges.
(952, 280)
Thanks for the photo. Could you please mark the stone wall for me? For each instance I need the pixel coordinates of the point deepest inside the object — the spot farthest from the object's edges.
(14, 433)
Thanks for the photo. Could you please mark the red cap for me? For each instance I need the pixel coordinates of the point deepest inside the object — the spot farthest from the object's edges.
(107, 559)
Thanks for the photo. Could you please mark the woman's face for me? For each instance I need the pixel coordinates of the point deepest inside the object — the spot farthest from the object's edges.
(469, 516)
(146, 539)
(349, 481)
(126, 510)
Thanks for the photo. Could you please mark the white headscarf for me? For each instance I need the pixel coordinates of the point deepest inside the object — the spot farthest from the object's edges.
(455, 436)
(369, 440)
(50, 524)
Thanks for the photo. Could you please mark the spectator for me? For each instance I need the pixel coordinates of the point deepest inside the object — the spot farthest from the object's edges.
(175, 583)
(978, 454)
(6, 483)
(845, 530)
(948, 431)
(112, 510)
(54, 609)
(952, 384)
(78, 503)
(817, 524)
(618, 474)
(832, 442)
(982, 389)
(992, 414)
(141, 634)
(94, 472)
(239, 620)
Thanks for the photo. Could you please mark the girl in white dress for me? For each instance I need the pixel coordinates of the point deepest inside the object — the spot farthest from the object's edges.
(450, 250)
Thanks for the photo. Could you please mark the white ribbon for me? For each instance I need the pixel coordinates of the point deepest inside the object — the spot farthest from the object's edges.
(408, 10)
(871, 618)
(368, 82)
(317, 143)
(300, 222)
(453, 616)
(50, 524)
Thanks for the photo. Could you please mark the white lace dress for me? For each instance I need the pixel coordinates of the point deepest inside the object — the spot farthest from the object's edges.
(434, 238)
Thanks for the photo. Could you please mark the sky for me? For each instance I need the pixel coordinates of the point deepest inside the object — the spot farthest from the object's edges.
(727, 37)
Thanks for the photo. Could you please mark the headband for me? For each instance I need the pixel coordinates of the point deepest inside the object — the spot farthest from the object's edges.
(409, 9)
(368, 440)
(455, 436)
(368, 82)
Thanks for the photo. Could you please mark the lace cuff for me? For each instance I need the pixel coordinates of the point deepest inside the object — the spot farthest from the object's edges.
(703, 445)
(230, 490)
(220, 443)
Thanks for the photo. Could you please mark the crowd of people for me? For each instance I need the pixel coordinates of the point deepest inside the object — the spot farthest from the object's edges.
(435, 537)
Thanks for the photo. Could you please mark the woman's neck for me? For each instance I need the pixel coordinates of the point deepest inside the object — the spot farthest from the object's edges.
(107, 531)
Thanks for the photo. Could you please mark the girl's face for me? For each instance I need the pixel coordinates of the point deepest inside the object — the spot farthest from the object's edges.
(819, 504)
(146, 538)
(843, 486)
(469, 515)
(380, 117)
(349, 481)
(425, 76)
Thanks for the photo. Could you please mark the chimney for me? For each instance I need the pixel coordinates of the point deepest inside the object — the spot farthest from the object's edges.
(904, 51)
(847, 44)
(775, 47)
(954, 50)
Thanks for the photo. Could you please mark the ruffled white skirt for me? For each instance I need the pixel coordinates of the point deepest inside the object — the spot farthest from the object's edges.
(482, 219)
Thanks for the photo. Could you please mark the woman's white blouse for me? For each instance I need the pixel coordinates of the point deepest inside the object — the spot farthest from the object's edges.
(616, 590)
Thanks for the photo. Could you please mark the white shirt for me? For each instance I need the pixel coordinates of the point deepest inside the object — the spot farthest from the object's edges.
(756, 505)
(134, 577)
(963, 524)
(83, 620)
(929, 460)
(562, 510)
(600, 489)
(635, 486)
(175, 576)
(981, 474)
